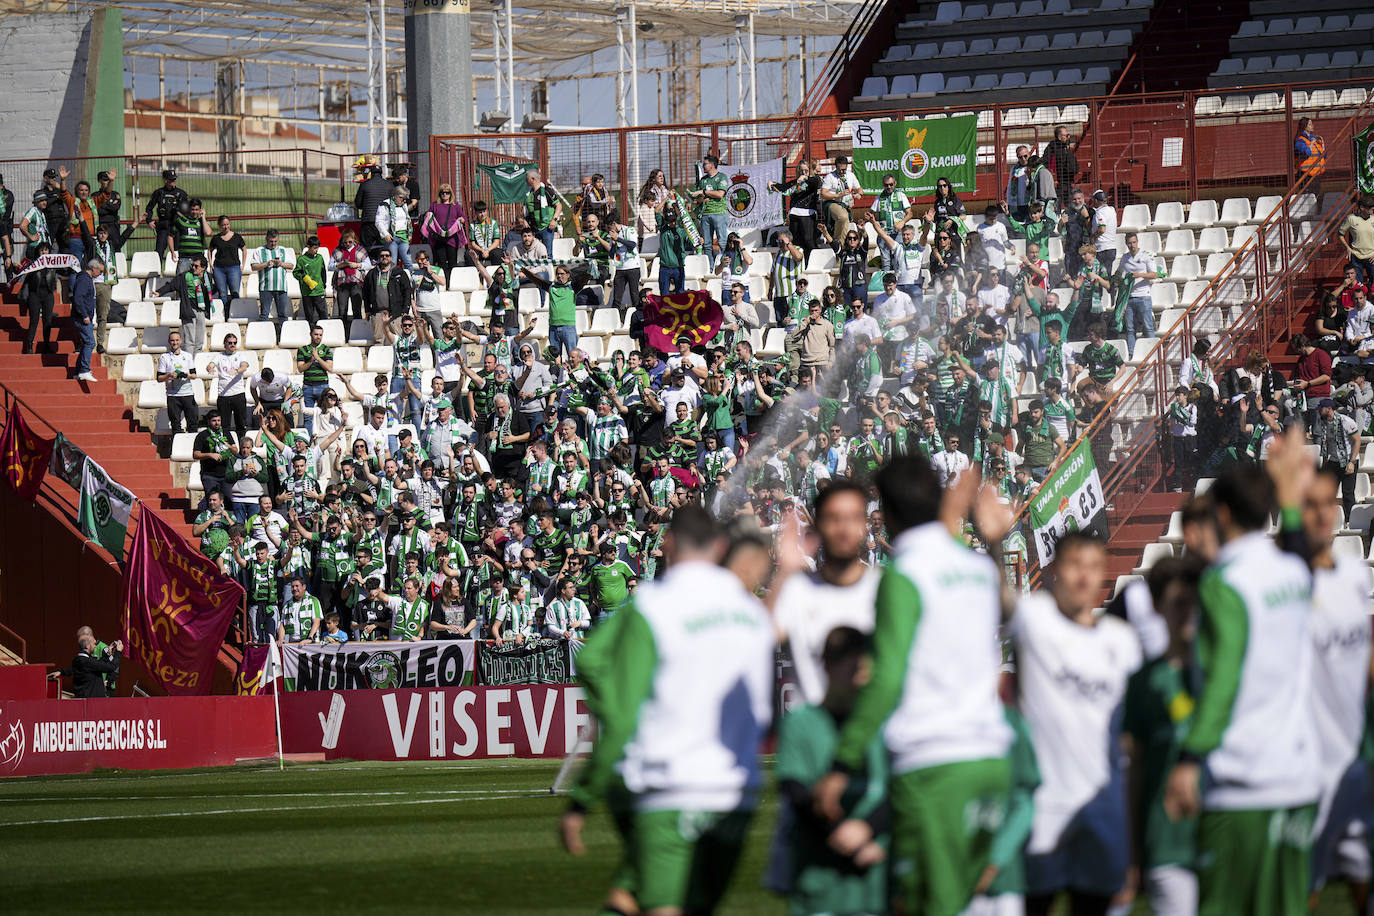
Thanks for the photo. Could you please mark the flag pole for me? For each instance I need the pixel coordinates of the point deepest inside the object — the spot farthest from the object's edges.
(276, 705)
(275, 670)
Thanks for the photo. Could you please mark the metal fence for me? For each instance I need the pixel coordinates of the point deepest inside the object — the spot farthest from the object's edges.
(285, 189)
(1139, 148)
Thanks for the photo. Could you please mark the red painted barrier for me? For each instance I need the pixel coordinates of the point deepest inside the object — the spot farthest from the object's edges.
(24, 682)
(446, 723)
(143, 733)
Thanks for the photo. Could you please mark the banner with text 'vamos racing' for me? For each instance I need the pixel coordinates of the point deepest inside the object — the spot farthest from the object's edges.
(364, 666)
(918, 152)
(1069, 500)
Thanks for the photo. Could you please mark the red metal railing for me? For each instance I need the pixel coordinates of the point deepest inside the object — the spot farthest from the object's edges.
(23, 653)
(1257, 300)
(1138, 147)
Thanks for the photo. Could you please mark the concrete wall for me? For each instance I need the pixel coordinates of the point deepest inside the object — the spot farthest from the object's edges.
(44, 60)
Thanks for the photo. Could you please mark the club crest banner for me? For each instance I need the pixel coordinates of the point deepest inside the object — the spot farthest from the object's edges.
(748, 201)
(1364, 160)
(918, 152)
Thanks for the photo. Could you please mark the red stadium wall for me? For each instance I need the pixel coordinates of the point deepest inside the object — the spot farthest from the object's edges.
(50, 584)
(41, 737)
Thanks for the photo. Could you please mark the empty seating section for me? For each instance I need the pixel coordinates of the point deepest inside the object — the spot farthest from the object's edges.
(1014, 51)
(1328, 39)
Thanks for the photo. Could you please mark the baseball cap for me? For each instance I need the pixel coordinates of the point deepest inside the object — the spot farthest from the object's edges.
(1099, 194)
(40, 196)
(1326, 402)
(444, 404)
(169, 174)
(102, 176)
(50, 173)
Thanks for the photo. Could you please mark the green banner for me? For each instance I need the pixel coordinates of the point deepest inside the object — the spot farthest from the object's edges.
(1070, 499)
(1364, 160)
(918, 153)
(506, 181)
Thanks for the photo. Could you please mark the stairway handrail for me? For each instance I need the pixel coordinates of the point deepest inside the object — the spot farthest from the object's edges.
(1154, 367)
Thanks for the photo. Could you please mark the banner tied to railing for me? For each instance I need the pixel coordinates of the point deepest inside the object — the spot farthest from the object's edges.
(363, 665)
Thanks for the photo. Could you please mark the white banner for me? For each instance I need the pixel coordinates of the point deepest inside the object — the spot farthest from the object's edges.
(748, 201)
(64, 261)
(378, 665)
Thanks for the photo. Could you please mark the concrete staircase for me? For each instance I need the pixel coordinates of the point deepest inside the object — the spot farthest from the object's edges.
(92, 415)
(96, 418)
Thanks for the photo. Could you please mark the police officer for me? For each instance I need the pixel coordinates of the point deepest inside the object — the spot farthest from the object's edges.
(6, 225)
(107, 204)
(165, 202)
(58, 214)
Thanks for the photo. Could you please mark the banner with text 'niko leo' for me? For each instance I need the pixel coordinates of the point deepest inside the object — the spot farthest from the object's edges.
(363, 666)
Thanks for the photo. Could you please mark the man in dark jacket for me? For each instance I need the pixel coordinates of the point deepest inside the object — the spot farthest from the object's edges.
(387, 294)
(83, 316)
(58, 213)
(6, 225)
(88, 672)
(1061, 161)
(371, 193)
(163, 206)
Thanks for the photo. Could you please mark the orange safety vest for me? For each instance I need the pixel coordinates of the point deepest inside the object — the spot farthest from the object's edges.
(1314, 163)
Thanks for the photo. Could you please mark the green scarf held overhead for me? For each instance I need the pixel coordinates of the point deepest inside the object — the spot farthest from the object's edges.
(1121, 294)
(507, 181)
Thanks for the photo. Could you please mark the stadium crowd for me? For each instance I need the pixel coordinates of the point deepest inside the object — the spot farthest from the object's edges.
(528, 498)
(937, 336)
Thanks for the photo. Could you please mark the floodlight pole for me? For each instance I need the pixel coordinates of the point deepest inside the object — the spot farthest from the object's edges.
(621, 57)
(510, 64)
(381, 36)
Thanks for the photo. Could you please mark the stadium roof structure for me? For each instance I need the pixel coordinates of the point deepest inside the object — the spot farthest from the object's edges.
(543, 39)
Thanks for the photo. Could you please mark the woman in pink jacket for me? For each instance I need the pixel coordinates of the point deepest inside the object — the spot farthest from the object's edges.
(445, 227)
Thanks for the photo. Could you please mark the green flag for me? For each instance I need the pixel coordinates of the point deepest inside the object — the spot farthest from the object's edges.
(105, 507)
(1070, 499)
(918, 152)
(507, 181)
(67, 461)
(1364, 160)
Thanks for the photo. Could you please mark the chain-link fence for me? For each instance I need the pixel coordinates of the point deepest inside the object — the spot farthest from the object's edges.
(1140, 149)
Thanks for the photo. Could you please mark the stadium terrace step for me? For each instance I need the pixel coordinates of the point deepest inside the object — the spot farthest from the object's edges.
(92, 415)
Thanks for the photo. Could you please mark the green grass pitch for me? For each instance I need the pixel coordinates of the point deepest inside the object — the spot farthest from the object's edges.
(468, 838)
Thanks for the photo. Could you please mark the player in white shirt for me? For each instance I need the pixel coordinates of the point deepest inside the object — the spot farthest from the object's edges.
(1340, 679)
(681, 682)
(933, 696)
(1252, 733)
(1072, 667)
(839, 593)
